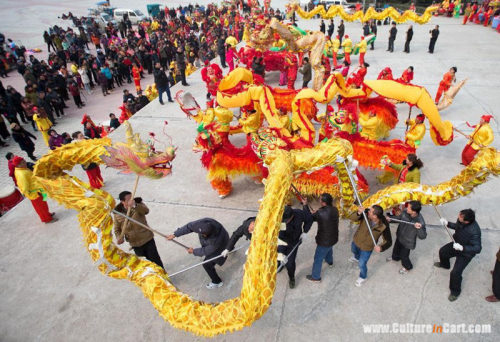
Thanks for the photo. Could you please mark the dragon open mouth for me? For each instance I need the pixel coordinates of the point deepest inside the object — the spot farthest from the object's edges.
(165, 165)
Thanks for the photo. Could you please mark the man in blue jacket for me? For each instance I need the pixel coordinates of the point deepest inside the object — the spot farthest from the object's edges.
(466, 244)
(213, 239)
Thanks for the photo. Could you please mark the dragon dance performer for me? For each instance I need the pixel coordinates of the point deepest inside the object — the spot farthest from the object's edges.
(213, 239)
(464, 247)
(446, 82)
(325, 61)
(31, 189)
(369, 126)
(347, 46)
(358, 77)
(385, 74)
(467, 13)
(481, 137)
(292, 69)
(335, 49)
(407, 233)
(92, 169)
(409, 170)
(140, 239)
(362, 50)
(407, 76)
(43, 123)
(416, 132)
(136, 74)
(362, 244)
(211, 74)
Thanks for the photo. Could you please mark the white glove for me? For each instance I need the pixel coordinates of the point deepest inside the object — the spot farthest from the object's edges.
(458, 247)
(443, 221)
(224, 253)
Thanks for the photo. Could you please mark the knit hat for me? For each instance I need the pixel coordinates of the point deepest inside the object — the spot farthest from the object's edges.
(486, 118)
(17, 160)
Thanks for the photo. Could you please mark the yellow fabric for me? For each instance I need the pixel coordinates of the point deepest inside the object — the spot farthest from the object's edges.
(43, 124)
(259, 279)
(370, 14)
(420, 97)
(362, 46)
(482, 135)
(415, 133)
(27, 185)
(369, 125)
(347, 45)
(231, 41)
(335, 45)
(280, 43)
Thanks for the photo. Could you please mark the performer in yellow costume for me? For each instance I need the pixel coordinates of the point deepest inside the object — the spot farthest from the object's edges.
(480, 138)
(43, 123)
(370, 126)
(347, 45)
(416, 132)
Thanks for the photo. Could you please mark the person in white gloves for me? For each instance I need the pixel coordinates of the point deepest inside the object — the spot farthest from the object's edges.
(466, 244)
(246, 229)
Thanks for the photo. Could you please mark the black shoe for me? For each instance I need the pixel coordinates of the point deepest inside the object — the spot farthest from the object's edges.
(185, 84)
(452, 298)
(170, 100)
(310, 277)
(438, 264)
(291, 283)
(161, 102)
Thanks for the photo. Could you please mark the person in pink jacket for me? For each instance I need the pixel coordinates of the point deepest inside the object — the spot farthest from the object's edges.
(230, 56)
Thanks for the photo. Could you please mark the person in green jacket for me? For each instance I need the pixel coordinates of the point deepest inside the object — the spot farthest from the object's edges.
(409, 170)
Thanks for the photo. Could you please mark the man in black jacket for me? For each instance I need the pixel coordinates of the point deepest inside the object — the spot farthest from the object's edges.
(213, 239)
(407, 233)
(392, 37)
(340, 31)
(161, 81)
(409, 36)
(466, 244)
(297, 221)
(327, 236)
(331, 28)
(434, 36)
(245, 229)
(180, 59)
(23, 138)
(221, 51)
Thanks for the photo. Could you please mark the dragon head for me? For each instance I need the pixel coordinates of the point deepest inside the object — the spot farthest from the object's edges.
(139, 157)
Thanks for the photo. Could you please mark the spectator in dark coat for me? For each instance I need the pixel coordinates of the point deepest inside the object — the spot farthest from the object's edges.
(213, 239)
(306, 71)
(409, 36)
(434, 36)
(114, 123)
(180, 59)
(23, 138)
(392, 37)
(161, 81)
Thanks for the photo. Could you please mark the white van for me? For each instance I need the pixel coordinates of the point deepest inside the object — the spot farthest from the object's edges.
(134, 16)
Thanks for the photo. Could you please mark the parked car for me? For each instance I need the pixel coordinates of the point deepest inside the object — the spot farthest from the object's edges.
(134, 16)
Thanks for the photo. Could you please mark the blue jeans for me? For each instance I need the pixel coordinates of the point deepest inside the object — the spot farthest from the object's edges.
(166, 90)
(322, 253)
(363, 257)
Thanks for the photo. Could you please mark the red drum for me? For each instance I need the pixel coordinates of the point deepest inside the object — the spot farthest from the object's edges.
(9, 198)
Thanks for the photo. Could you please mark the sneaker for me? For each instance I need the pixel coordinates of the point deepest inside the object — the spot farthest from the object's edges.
(403, 271)
(452, 298)
(291, 283)
(353, 259)
(310, 277)
(359, 282)
(211, 285)
(388, 259)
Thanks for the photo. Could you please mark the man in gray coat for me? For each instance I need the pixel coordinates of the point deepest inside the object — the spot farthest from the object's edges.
(306, 71)
(407, 233)
(213, 239)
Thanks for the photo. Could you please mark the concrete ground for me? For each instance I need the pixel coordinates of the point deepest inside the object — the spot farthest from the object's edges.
(50, 291)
